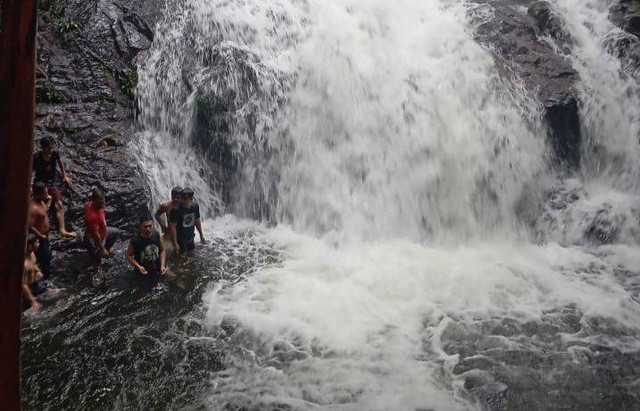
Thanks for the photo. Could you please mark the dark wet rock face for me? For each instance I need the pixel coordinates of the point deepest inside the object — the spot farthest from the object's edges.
(626, 14)
(524, 38)
(85, 79)
(626, 46)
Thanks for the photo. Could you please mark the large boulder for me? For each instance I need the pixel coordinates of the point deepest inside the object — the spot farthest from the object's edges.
(85, 77)
(517, 33)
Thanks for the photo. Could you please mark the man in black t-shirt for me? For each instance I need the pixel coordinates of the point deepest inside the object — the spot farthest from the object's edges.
(146, 251)
(46, 163)
(182, 220)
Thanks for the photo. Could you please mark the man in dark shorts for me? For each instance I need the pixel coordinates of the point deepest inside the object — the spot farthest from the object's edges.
(146, 252)
(166, 207)
(46, 163)
(182, 221)
(99, 238)
(39, 225)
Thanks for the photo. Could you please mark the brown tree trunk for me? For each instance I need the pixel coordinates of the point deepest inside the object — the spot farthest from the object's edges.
(18, 26)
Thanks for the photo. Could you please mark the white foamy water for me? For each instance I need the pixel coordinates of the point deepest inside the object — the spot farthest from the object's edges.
(395, 162)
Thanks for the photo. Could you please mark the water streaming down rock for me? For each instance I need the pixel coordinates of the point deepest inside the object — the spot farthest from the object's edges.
(396, 163)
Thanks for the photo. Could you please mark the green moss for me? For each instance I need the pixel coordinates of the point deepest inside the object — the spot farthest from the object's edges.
(129, 81)
(47, 93)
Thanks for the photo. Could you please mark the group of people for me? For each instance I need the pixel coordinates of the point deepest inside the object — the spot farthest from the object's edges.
(146, 253)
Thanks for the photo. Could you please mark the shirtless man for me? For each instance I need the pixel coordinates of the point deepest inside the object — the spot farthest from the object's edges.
(32, 275)
(46, 163)
(39, 225)
(165, 209)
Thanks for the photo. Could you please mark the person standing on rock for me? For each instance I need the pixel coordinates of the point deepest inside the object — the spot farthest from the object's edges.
(182, 221)
(99, 238)
(46, 163)
(165, 209)
(39, 225)
(146, 252)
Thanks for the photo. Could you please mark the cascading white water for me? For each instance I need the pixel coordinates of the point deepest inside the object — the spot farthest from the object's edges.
(395, 160)
(608, 189)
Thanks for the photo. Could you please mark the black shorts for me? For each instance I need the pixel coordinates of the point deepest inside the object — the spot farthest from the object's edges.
(152, 278)
(186, 246)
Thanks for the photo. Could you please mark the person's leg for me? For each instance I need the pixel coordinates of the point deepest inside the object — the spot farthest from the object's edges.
(113, 235)
(56, 199)
(170, 275)
(43, 257)
(191, 246)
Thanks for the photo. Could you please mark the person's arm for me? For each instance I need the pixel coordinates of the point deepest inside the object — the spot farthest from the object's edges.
(174, 239)
(132, 260)
(198, 223)
(31, 220)
(26, 290)
(199, 227)
(63, 171)
(163, 258)
(92, 233)
(161, 210)
(28, 296)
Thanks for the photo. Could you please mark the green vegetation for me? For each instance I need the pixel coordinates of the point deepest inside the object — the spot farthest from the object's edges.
(129, 81)
(47, 93)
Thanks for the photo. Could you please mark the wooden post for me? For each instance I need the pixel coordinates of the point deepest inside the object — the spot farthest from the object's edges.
(18, 26)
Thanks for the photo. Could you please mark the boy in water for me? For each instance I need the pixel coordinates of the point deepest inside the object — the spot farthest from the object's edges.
(97, 235)
(182, 220)
(39, 225)
(34, 284)
(166, 207)
(32, 275)
(146, 252)
(46, 163)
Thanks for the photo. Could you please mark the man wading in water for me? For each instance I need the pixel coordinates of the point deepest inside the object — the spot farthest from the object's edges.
(146, 253)
(46, 163)
(182, 221)
(165, 209)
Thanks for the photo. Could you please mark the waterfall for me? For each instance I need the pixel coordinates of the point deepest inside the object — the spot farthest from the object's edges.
(353, 117)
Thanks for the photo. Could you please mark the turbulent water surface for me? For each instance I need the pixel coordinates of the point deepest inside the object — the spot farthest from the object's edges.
(401, 240)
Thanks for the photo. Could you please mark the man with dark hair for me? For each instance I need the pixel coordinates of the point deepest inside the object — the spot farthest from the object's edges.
(39, 225)
(46, 163)
(166, 207)
(97, 235)
(182, 221)
(146, 252)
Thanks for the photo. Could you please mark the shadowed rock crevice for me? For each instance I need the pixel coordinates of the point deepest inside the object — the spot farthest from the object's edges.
(524, 38)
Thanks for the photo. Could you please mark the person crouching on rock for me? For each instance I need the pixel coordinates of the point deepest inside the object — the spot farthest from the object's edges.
(46, 163)
(39, 225)
(146, 252)
(32, 275)
(34, 285)
(165, 209)
(182, 220)
(99, 238)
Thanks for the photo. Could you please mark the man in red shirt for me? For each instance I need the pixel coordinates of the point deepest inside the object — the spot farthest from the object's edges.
(99, 237)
